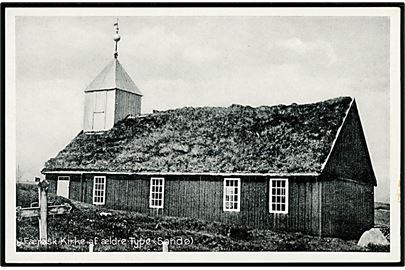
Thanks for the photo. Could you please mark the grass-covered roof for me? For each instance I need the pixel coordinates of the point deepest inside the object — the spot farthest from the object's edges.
(236, 139)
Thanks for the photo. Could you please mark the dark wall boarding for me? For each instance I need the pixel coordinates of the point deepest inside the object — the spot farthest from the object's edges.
(203, 196)
(350, 157)
(347, 208)
(129, 104)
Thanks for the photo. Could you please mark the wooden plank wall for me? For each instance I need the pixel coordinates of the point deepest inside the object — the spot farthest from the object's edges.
(74, 187)
(347, 207)
(350, 157)
(89, 108)
(52, 183)
(202, 197)
(126, 103)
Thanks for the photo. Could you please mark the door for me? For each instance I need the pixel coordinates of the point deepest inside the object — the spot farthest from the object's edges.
(98, 121)
(63, 186)
(99, 110)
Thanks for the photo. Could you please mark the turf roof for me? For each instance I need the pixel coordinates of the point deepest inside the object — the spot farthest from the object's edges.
(235, 139)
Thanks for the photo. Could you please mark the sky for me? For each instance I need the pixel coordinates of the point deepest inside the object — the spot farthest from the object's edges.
(199, 61)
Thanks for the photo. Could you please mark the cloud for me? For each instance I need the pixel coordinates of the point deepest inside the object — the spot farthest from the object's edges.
(169, 47)
(199, 55)
(165, 94)
(49, 115)
(156, 42)
(196, 61)
(294, 49)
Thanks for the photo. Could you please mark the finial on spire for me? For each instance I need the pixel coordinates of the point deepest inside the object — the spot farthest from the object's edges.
(116, 38)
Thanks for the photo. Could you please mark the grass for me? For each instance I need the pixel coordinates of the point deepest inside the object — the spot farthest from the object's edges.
(293, 138)
(129, 231)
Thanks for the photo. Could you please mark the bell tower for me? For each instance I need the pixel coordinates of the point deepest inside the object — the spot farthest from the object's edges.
(111, 96)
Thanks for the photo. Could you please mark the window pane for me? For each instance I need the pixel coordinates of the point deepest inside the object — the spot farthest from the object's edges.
(156, 192)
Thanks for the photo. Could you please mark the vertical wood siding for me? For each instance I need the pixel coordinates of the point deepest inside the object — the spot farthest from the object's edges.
(89, 108)
(126, 104)
(348, 183)
(74, 185)
(52, 179)
(202, 197)
(347, 207)
(350, 157)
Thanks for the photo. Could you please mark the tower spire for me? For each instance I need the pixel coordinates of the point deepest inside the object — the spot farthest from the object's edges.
(116, 38)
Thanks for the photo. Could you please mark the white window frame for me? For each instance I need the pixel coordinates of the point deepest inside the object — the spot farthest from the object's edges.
(67, 178)
(285, 195)
(103, 190)
(238, 194)
(151, 205)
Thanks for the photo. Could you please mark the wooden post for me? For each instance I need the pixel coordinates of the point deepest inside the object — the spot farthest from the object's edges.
(165, 246)
(43, 210)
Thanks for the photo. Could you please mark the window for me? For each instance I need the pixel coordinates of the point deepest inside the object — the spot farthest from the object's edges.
(156, 197)
(62, 188)
(279, 196)
(99, 190)
(231, 194)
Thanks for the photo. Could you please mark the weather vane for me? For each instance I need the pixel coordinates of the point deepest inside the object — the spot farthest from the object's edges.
(116, 38)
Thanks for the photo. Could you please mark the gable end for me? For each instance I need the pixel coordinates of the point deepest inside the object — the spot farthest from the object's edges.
(349, 157)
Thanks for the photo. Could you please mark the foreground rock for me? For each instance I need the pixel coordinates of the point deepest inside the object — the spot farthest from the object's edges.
(373, 236)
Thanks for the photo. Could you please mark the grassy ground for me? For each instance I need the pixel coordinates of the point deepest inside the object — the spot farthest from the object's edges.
(128, 231)
(381, 213)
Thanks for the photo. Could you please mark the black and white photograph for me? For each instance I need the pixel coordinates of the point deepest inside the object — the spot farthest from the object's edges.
(164, 134)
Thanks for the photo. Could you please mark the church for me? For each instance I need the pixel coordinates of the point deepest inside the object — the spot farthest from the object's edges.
(298, 167)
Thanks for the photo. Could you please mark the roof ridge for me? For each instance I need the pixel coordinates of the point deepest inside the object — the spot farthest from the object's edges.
(234, 105)
(337, 134)
(286, 139)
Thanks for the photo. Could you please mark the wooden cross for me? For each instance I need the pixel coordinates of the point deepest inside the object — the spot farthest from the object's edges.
(42, 211)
